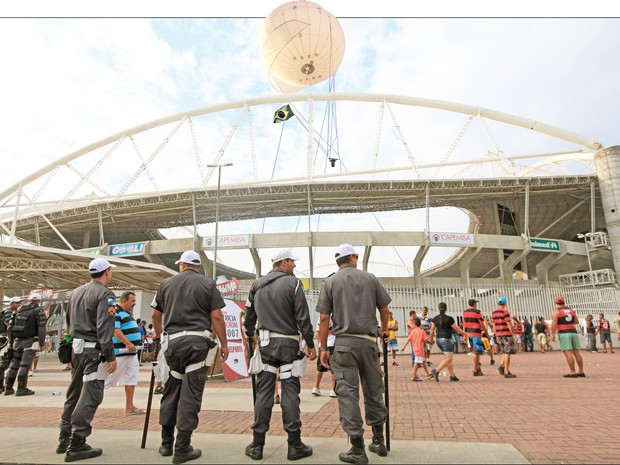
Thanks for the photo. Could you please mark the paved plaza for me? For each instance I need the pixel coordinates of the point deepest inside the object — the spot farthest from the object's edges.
(538, 417)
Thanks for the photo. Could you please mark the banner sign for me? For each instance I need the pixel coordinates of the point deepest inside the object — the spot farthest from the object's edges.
(228, 287)
(93, 250)
(548, 245)
(236, 366)
(452, 238)
(239, 240)
(134, 248)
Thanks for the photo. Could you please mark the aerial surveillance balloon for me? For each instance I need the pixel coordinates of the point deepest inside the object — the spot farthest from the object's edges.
(302, 45)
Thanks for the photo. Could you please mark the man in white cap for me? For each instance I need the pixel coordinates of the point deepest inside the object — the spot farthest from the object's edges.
(351, 297)
(90, 319)
(189, 306)
(5, 348)
(277, 301)
(26, 334)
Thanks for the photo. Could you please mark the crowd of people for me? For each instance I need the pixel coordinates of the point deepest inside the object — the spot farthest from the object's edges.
(108, 345)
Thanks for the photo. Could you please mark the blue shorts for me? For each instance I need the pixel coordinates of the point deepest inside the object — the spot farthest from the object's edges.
(477, 345)
(605, 337)
(446, 345)
(393, 345)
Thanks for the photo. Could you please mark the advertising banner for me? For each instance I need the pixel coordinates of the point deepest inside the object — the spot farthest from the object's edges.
(452, 238)
(223, 242)
(236, 366)
(134, 248)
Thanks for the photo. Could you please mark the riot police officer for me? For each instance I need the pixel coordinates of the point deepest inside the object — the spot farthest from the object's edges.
(187, 305)
(26, 335)
(6, 351)
(277, 300)
(90, 318)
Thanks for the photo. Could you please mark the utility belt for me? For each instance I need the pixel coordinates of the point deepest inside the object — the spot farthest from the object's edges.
(79, 345)
(362, 336)
(208, 361)
(296, 369)
(265, 336)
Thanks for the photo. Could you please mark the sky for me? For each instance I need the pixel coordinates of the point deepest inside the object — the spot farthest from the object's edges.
(74, 76)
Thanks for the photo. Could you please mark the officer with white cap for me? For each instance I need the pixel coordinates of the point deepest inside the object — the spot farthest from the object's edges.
(351, 297)
(5, 348)
(189, 306)
(278, 302)
(26, 334)
(90, 318)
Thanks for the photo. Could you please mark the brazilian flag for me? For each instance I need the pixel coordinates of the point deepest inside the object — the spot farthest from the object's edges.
(282, 114)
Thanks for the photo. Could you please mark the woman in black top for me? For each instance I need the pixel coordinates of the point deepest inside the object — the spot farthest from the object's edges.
(441, 328)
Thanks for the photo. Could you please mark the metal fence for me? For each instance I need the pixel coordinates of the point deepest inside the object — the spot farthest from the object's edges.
(527, 299)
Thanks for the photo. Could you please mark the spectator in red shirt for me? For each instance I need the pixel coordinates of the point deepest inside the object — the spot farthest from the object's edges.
(604, 330)
(473, 324)
(505, 333)
(518, 333)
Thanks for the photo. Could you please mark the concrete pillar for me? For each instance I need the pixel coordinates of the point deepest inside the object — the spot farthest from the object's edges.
(607, 163)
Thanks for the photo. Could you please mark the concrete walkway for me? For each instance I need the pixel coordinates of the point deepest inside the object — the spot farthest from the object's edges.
(538, 417)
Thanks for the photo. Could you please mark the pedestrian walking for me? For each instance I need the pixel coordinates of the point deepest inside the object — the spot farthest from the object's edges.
(320, 369)
(351, 297)
(90, 319)
(189, 306)
(564, 323)
(604, 332)
(26, 332)
(425, 324)
(505, 332)
(442, 327)
(417, 337)
(474, 325)
(392, 343)
(541, 330)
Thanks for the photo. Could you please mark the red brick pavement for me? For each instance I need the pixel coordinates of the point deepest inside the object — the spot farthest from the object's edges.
(548, 418)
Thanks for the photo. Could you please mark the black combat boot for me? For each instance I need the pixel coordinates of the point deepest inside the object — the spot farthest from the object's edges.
(183, 451)
(8, 387)
(63, 442)
(378, 444)
(254, 450)
(297, 449)
(357, 453)
(79, 450)
(167, 441)
(22, 390)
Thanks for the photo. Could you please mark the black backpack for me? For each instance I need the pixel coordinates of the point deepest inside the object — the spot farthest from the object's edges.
(25, 324)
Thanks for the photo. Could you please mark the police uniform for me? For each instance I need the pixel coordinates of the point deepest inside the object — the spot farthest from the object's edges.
(277, 301)
(5, 348)
(186, 301)
(27, 333)
(90, 320)
(352, 297)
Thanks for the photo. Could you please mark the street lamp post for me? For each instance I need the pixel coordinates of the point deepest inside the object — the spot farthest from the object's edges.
(217, 213)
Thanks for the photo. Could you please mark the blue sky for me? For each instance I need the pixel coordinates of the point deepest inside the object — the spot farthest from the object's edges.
(69, 82)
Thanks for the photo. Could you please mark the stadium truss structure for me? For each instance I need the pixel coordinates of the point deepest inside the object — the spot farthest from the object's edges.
(391, 153)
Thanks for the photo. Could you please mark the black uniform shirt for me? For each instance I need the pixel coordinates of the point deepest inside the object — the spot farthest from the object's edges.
(280, 306)
(187, 300)
(91, 316)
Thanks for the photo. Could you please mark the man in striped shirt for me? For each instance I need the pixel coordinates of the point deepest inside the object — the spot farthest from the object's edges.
(473, 324)
(127, 341)
(564, 322)
(505, 333)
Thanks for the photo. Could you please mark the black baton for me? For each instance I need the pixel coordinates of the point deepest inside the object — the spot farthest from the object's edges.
(387, 394)
(251, 352)
(150, 398)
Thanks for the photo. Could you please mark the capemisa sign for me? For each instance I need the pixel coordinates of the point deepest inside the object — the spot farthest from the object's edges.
(239, 240)
(451, 238)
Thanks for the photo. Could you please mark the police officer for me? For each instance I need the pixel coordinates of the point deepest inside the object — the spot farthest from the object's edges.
(90, 318)
(277, 300)
(188, 306)
(351, 297)
(26, 335)
(6, 351)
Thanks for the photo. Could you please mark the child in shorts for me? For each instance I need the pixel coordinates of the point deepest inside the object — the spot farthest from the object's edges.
(418, 339)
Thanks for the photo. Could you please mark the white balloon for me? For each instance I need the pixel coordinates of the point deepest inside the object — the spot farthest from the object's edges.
(302, 45)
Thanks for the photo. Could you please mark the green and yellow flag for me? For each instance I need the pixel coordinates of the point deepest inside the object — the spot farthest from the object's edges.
(282, 114)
